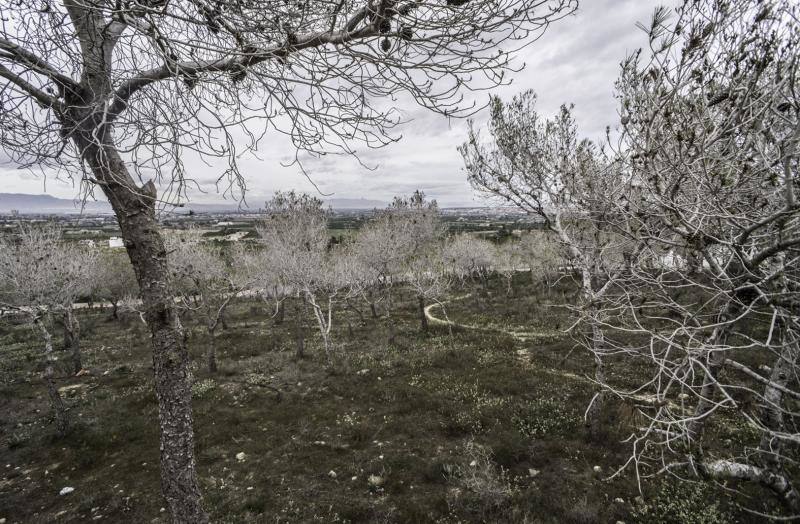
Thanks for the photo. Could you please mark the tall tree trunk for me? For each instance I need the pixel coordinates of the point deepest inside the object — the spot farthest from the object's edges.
(423, 318)
(135, 210)
(72, 338)
(56, 402)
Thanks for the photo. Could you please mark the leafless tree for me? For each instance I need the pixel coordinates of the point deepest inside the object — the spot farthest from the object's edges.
(426, 274)
(506, 262)
(541, 254)
(393, 246)
(206, 282)
(41, 275)
(419, 235)
(115, 280)
(379, 249)
(294, 230)
(468, 256)
(116, 94)
(541, 167)
(710, 131)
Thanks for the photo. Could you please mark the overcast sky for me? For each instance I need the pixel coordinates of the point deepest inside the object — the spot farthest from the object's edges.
(577, 60)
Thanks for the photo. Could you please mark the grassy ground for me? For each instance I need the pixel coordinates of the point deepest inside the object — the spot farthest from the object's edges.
(469, 426)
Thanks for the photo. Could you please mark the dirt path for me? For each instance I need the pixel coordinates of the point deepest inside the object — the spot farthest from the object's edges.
(523, 355)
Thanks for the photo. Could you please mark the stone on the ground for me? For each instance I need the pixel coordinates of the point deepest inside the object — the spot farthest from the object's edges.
(241, 456)
(66, 490)
(332, 474)
(71, 390)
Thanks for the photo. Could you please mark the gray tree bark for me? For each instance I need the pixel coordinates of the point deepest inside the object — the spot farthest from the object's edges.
(72, 339)
(56, 402)
(135, 210)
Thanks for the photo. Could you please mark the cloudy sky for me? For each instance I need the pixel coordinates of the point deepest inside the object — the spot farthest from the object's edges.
(576, 61)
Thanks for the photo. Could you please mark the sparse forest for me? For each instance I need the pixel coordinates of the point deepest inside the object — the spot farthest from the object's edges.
(629, 356)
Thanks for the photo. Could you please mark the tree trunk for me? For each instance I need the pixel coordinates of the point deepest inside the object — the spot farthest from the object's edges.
(324, 326)
(298, 332)
(373, 309)
(389, 309)
(715, 361)
(115, 309)
(423, 318)
(72, 338)
(725, 470)
(714, 364)
(56, 402)
(212, 351)
(135, 211)
(279, 318)
(770, 447)
(594, 413)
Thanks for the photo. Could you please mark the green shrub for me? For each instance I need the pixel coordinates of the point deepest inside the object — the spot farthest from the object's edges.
(544, 416)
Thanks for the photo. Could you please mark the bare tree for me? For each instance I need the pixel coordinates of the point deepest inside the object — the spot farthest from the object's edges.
(40, 275)
(294, 232)
(115, 280)
(379, 249)
(419, 240)
(118, 94)
(541, 254)
(469, 257)
(506, 262)
(541, 167)
(390, 248)
(710, 130)
(426, 274)
(206, 282)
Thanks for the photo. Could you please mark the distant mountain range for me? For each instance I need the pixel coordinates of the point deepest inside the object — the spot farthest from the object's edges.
(46, 205)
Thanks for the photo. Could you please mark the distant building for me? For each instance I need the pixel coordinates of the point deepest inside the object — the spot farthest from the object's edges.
(115, 242)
